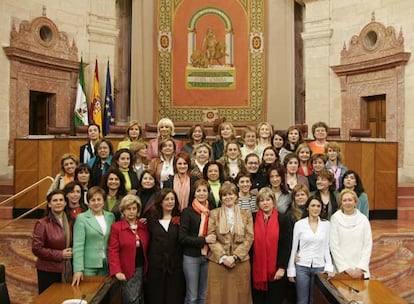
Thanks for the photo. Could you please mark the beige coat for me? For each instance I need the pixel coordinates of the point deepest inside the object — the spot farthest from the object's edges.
(226, 243)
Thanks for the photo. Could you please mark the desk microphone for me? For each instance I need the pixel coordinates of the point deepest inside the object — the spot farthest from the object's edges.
(82, 298)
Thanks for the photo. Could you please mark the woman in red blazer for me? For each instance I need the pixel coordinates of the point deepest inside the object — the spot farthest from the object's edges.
(127, 250)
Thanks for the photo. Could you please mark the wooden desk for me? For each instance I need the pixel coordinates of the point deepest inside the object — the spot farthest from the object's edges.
(337, 291)
(94, 288)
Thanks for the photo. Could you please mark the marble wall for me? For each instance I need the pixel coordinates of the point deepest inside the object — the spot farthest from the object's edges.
(329, 26)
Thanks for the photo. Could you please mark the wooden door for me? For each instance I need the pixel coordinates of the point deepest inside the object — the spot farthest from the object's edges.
(375, 109)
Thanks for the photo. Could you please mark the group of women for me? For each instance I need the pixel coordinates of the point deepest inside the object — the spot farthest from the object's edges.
(245, 220)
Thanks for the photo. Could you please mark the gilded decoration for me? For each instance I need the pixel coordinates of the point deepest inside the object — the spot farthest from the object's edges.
(210, 60)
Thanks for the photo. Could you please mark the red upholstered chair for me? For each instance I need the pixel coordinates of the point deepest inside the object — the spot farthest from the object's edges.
(357, 134)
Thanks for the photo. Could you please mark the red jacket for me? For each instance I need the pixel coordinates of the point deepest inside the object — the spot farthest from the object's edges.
(48, 242)
(122, 248)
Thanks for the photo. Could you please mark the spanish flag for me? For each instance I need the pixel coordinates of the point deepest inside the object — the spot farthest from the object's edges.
(95, 113)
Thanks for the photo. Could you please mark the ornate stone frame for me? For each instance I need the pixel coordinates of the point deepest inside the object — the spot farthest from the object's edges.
(255, 111)
(372, 65)
(41, 59)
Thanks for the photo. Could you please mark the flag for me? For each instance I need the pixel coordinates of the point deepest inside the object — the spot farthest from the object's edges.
(81, 106)
(109, 115)
(95, 114)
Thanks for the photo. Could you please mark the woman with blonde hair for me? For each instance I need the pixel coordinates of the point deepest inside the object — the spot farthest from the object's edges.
(228, 278)
(226, 132)
(68, 164)
(264, 134)
(133, 134)
(334, 163)
(350, 238)
(271, 249)
(165, 130)
(139, 151)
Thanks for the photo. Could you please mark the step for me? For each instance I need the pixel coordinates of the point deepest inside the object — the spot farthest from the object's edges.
(405, 213)
(405, 201)
(405, 190)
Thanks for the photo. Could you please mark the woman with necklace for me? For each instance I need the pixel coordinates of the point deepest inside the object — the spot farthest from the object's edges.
(73, 195)
(113, 183)
(325, 184)
(127, 250)
(52, 243)
(276, 180)
(163, 164)
(90, 238)
(182, 182)
(166, 283)
(310, 253)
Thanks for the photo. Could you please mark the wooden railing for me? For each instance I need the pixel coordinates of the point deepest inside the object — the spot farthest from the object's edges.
(20, 193)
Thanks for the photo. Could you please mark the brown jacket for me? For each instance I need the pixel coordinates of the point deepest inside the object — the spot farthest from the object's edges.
(226, 243)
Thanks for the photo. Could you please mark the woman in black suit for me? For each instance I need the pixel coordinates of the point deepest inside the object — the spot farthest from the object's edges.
(87, 151)
(166, 283)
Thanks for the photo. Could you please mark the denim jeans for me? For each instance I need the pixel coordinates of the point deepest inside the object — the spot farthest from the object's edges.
(195, 272)
(305, 277)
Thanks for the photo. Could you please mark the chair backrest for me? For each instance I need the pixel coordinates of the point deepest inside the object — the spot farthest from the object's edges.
(4, 293)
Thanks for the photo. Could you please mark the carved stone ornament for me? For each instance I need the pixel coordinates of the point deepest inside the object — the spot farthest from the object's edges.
(42, 36)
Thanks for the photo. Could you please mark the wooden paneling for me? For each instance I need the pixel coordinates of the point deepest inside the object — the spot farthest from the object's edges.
(376, 162)
(386, 176)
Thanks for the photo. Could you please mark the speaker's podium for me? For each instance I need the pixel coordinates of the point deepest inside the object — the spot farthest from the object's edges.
(342, 290)
(94, 290)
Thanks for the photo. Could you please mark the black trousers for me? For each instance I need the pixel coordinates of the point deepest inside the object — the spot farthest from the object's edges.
(47, 278)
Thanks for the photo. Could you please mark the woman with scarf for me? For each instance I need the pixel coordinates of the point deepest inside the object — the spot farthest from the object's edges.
(52, 242)
(229, 274)
(182, 182)
(193, 237)
(271, 250)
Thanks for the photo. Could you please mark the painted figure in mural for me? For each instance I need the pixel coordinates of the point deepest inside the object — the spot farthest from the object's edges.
(209, 44)
(211, 50)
